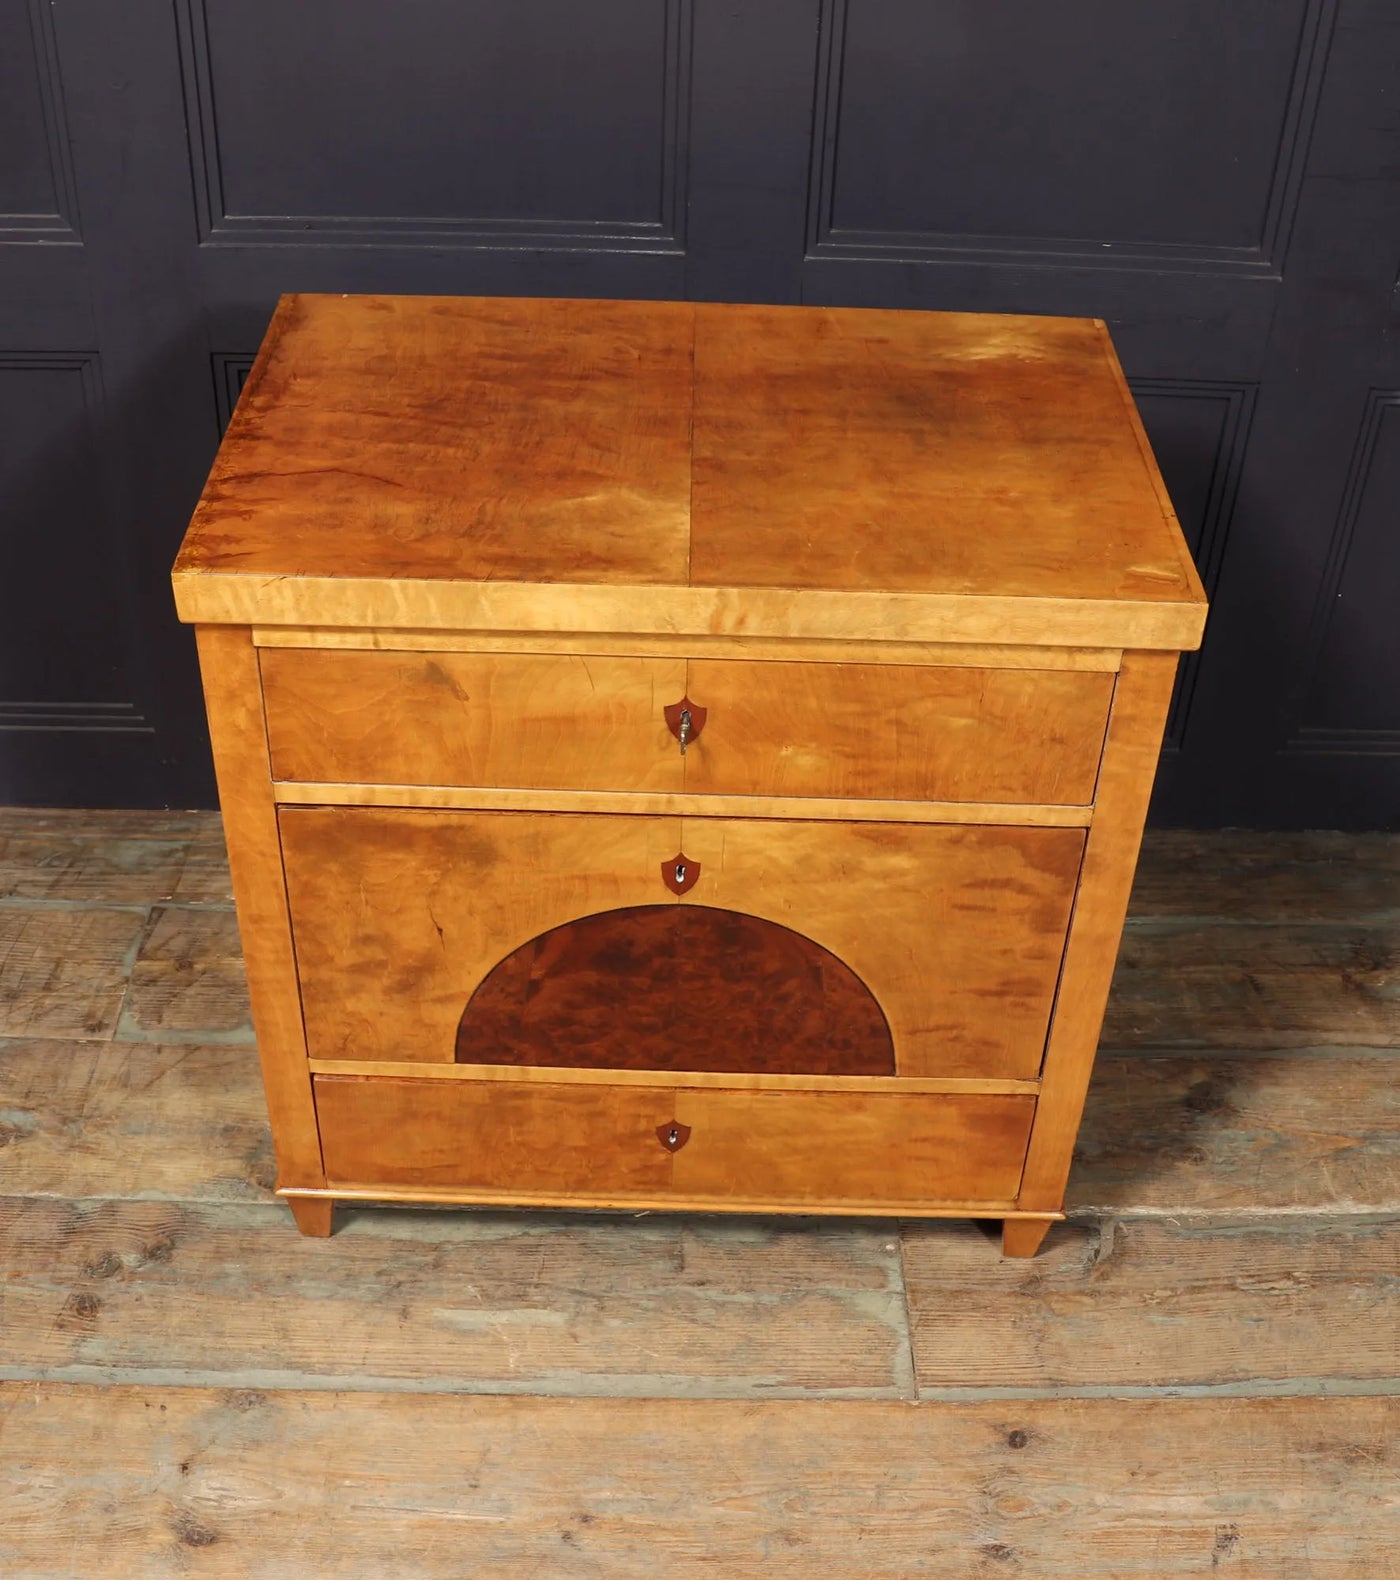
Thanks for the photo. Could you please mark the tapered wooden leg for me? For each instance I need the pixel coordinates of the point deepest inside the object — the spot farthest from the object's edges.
(1023, 1236)
(313, 1214)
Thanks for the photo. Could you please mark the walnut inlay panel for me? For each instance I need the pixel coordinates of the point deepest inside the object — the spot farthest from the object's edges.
(667, 987)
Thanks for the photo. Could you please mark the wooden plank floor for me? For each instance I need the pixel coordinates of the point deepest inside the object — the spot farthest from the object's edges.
(1198, 1375)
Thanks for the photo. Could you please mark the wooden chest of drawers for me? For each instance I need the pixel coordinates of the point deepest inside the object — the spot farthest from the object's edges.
(683, 755)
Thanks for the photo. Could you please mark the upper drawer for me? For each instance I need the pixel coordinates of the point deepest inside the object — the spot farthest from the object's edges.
(546, 721)
(516, 720)
(898, 732)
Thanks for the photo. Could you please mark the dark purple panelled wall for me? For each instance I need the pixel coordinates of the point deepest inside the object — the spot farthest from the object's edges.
(1219, 179)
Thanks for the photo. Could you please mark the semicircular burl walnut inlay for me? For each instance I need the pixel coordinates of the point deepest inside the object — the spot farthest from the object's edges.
(668, 987)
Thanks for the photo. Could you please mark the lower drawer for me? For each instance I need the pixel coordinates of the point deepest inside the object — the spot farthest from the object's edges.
(537, 1141)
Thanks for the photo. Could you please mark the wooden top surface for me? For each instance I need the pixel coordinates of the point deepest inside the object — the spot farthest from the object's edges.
(565, 464)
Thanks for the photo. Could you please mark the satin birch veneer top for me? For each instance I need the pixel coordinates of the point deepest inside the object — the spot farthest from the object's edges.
(548, 465)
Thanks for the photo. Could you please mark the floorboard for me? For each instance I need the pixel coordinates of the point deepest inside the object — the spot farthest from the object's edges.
(1271, 1134)
(92, 1120)
(1288, 878)
(1278, 1306)
(142, 857)
(170, 1482)
(188, 984)
(559, 1304)
(63, 972)
(1235, 986)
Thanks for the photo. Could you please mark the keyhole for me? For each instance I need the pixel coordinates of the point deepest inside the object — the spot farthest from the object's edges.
(680, 872)
(686, 724)
(673, 1135)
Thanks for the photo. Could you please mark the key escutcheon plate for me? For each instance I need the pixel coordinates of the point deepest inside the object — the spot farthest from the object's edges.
(680, 874)
(673, 1136)
(685, 720)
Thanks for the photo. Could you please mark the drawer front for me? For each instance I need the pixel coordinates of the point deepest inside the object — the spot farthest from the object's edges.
(898, 732)
(538, 1141)
(544, 721)
(956, 931)
(398, 915)
(524, 721)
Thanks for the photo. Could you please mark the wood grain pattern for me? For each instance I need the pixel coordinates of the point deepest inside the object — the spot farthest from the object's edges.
(1139, 1304)
(528, 720)
(808, 1146)
(660, 645)
(131, 857)
(557, 1140)
(766, 1081)
(1133, 418)
(62, 971)
(188, 982)
(1231, 986)
(314, 1216)
(82, 1119)
(1237, 876)
(1281, 1134)
(204, 878)
(1135, 726)
(122, 1481)
(228, 664)
(1276, 940)
(223, 1304)
(229, 598)
(1023, 1237)
(473, 438)
(670, 987)
(536, 721)
(897, 732)
(779, 1150)
(642, 804)
(792, 491)
(560, 1303)
(662, 1202)
(1226, 875)
(400, 914)
(841, 449)
(967, 918)
(1161, 1136)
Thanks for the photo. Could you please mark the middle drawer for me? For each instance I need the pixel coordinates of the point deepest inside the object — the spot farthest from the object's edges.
(917, 732)
(399, 917)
